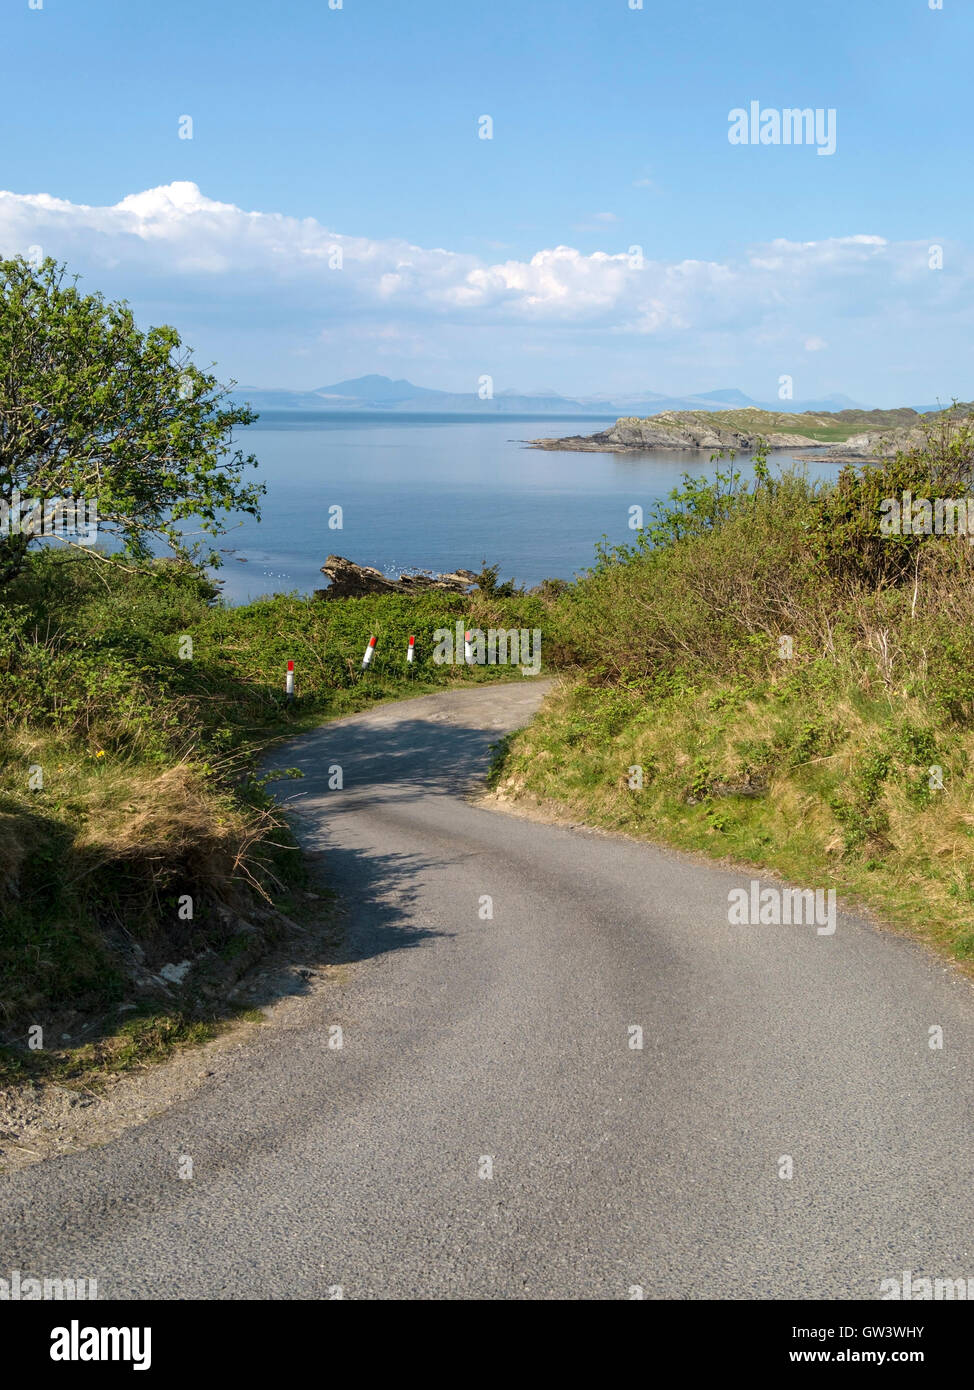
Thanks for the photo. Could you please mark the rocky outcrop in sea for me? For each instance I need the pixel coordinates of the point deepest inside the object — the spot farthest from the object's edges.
(673, 430)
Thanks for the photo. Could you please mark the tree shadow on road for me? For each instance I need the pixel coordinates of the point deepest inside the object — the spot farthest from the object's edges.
(410, 757)
(371, 894)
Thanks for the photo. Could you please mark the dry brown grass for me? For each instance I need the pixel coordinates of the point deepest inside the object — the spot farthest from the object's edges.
(172, 826)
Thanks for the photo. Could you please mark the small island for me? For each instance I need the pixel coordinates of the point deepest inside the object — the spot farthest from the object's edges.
(843, 435)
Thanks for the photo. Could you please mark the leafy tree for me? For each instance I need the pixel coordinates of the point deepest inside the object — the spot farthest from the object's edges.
(93, 408)
(847, 531)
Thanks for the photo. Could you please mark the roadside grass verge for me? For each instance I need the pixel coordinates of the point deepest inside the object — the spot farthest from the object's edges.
(828, 792)
(766, 677)
(143, 1039)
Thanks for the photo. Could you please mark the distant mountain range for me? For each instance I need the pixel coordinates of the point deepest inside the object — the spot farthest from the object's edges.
(382, 394)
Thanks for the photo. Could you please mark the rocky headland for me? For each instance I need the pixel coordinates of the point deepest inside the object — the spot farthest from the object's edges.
(844, 436)
(675, 430)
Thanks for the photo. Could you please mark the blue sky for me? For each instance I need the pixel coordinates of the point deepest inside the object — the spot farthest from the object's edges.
(358, 128)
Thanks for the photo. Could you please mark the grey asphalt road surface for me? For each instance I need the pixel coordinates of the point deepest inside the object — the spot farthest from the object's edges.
(488, 1130)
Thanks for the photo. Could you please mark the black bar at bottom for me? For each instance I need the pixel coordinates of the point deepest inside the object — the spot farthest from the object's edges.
(256, 1337)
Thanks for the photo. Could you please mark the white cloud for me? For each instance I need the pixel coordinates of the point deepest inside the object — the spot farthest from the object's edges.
(174, 247)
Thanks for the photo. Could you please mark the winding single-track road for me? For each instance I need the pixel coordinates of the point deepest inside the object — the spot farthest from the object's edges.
(487, 1129)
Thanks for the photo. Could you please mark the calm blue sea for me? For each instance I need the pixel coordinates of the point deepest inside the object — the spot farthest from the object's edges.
(436, 492)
